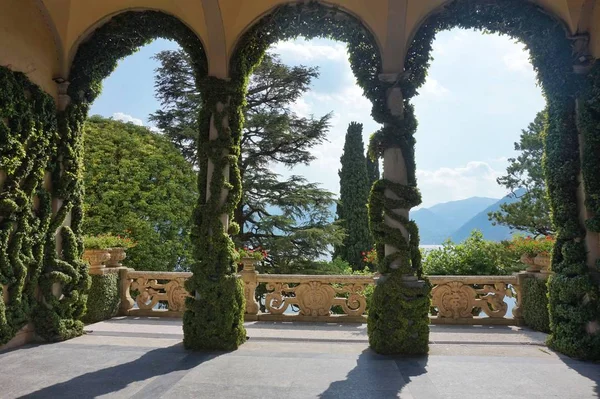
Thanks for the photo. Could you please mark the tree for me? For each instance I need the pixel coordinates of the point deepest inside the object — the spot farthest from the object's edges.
(289, 217)
(372, 171)
(525, 179)
(139, 185)
(354, 195)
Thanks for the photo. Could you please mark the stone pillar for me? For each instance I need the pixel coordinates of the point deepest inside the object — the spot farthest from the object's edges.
(399, 315)
(250, 277)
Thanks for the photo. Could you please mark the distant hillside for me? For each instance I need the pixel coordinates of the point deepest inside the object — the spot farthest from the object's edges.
(481, 222)
(439, 222)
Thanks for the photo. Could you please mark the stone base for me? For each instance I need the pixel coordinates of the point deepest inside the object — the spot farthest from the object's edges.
(24, 336)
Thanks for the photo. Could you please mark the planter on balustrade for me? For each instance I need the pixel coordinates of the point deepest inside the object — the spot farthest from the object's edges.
(537, 264)
(97, 258)
(116, 256)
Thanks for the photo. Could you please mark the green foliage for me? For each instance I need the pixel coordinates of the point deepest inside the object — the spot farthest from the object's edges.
(573, 296)
(103, 298)
(589, 125)
(352, 205)
(139, 186)
(525, 178)
(474, 256)
(535, 304)
(398, 320)
(103, 241)
(291, 217)
(29, 139)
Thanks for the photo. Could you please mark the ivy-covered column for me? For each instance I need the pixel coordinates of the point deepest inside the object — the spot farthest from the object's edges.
(399, 315)
(214, 318)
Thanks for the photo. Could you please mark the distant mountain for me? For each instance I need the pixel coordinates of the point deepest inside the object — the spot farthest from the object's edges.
(439, 222)
(482, 223)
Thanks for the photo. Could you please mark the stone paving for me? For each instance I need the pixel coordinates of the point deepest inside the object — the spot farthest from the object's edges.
(144, 358)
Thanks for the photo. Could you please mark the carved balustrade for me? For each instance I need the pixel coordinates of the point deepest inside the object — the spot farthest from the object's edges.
(339, 298)
(313, 298)
(156, 293)
(466, 299)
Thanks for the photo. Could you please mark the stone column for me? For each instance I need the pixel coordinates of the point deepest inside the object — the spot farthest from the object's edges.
(398, 318)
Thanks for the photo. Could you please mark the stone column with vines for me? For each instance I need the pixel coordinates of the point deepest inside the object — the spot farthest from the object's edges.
(214, 317)
(398, 319)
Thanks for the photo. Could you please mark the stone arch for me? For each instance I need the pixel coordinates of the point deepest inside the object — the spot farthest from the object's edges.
(555, 56)
(148, 24)
(325, 4)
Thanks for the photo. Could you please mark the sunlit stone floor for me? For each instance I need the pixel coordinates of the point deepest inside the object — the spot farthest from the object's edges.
(144, 358)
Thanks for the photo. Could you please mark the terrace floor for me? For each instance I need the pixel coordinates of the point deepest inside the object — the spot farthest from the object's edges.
(143, 358)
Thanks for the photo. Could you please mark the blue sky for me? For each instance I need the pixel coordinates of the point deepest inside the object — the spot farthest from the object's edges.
(480, 92)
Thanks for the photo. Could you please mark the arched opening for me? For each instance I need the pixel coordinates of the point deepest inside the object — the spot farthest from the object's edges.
(552, 57)
(96, 57)
(401, 256)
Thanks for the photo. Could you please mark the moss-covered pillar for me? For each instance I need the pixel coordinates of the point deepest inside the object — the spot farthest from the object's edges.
(398, 319)
(214, 316)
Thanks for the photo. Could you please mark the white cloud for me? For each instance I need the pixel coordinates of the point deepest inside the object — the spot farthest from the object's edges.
(123, 117)
(434, 88)
(304, 50)
(476, 178)
(120, 116)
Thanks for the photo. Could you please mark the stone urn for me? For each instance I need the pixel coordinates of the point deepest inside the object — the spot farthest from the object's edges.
(96, 257)
(249, 264)
(116, 256)
(536, 264)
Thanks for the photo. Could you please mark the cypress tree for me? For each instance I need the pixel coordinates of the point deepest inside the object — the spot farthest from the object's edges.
(354, 194)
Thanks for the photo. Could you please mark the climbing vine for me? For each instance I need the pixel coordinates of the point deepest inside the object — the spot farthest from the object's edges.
(28, 133)
(574, 301)
(589, 125)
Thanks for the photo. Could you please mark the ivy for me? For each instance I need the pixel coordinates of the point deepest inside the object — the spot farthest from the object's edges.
(574, 301)
(589, 125)
(28, 133)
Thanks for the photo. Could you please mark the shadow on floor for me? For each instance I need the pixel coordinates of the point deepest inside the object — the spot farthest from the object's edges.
(170, 364)
(378, 376)
(589, 370)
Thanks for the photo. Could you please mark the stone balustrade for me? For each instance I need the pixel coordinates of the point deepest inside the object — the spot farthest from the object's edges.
(475, 299)
(156, 293)
(333, 298)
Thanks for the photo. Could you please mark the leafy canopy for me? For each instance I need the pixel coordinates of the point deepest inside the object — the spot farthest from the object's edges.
(139, 186)
(525, 178)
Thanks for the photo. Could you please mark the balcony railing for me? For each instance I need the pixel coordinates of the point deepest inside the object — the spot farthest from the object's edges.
(331, 298)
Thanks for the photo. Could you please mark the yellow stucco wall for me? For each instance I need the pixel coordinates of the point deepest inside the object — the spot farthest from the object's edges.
(27, 44)
(76, 19)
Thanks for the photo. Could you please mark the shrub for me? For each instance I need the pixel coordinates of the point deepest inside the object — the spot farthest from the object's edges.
(535, 304)
(474, 256)
(103, 298)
